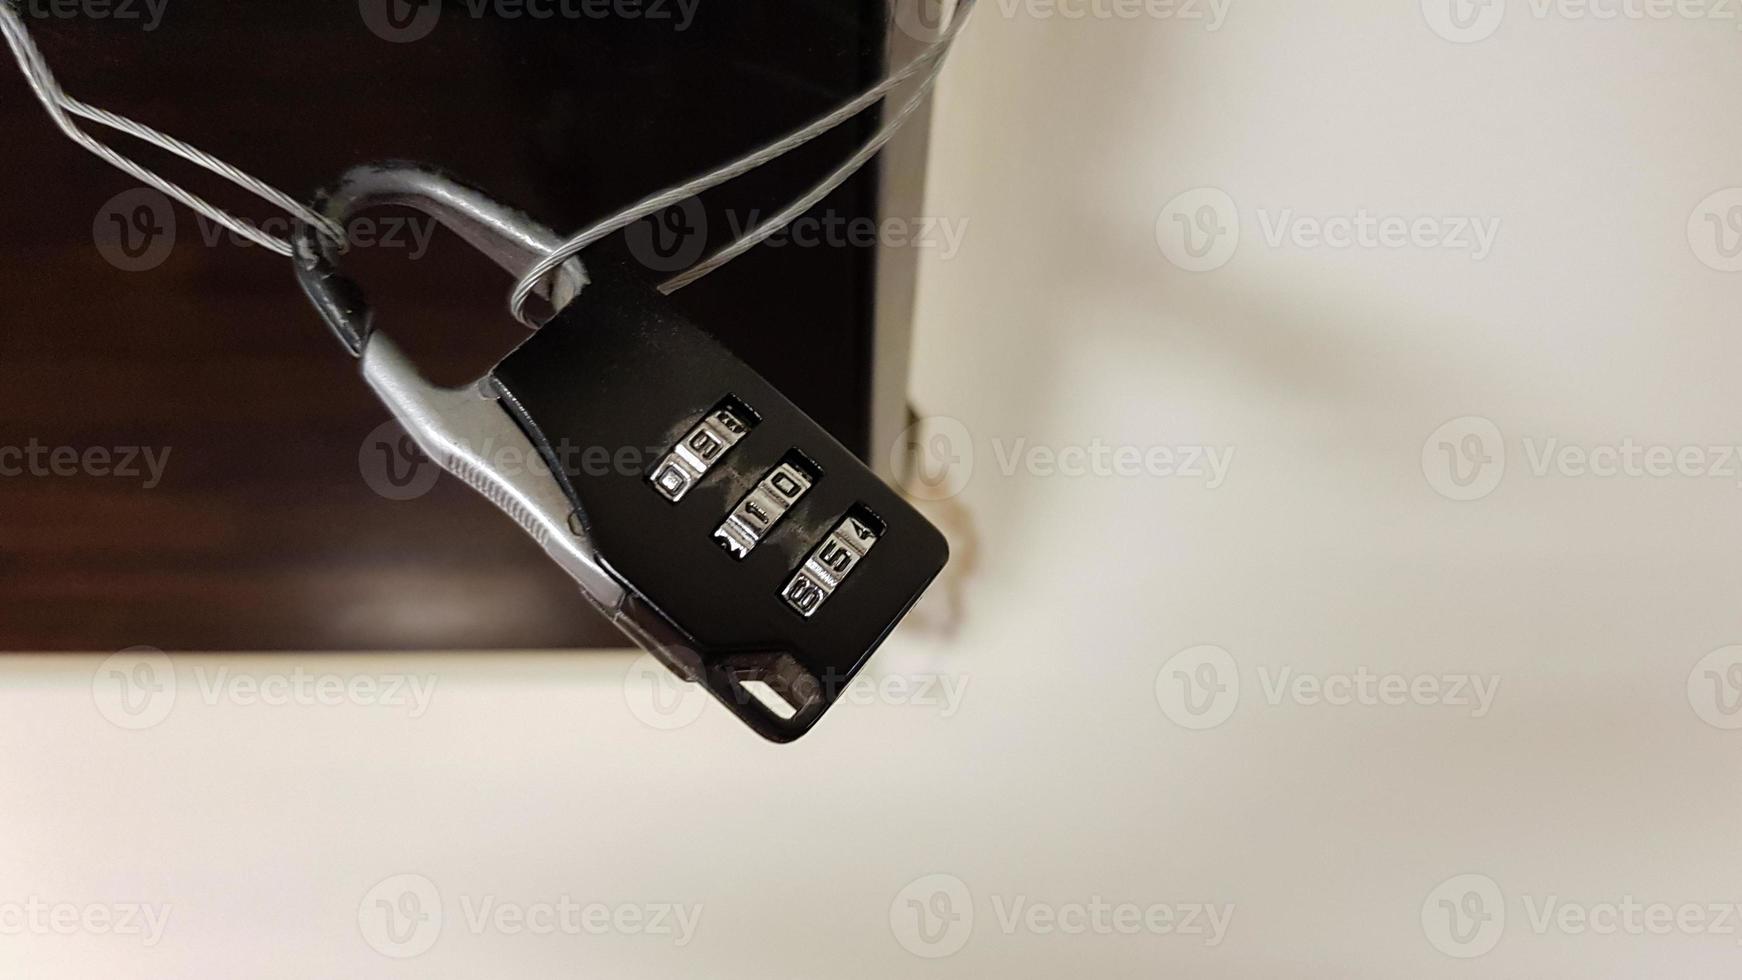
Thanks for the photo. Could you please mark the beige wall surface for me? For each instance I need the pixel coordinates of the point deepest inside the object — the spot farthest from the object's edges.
(1334, 408)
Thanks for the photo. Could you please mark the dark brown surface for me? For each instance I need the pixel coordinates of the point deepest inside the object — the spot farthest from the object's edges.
(263, 534)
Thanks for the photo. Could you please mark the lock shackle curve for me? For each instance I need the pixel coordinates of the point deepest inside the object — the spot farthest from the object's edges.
(509, 237)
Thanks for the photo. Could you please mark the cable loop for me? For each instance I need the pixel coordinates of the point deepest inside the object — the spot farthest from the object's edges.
(930, 62)
(926, 66)
(62, 107)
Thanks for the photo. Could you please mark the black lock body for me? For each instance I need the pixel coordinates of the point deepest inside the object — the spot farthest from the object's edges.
(607, 390)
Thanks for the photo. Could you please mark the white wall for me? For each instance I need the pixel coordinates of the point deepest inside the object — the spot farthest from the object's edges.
(1590, 145)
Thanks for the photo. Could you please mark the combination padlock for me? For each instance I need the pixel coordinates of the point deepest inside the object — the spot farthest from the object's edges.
(725, 531)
